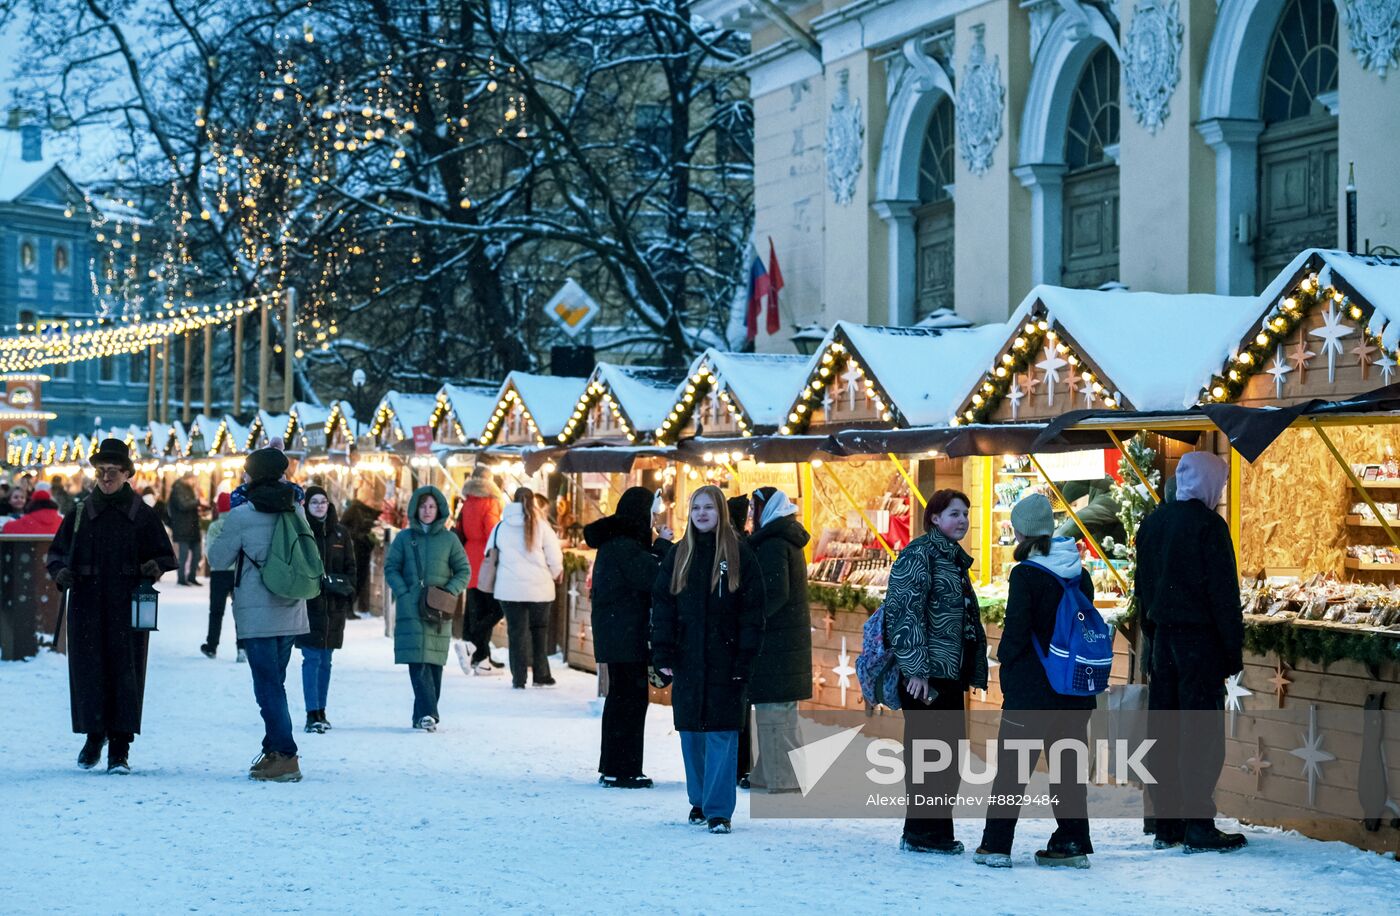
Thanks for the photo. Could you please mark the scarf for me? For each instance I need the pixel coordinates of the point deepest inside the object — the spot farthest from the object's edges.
(121, 499)
(273, 496)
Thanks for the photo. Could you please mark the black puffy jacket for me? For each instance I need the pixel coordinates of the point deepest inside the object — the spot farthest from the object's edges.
(783, 671)
(623, 574)
(326, 613)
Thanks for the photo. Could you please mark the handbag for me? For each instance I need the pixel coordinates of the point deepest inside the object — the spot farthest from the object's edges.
(486, 575)
(337, 584)
(435, 605)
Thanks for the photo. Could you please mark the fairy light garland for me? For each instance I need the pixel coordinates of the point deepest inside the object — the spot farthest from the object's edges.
(509, 402)
(697, 388)
(595, 393)
(836, 357)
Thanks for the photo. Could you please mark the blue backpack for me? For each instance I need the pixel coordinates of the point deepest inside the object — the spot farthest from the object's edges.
(1080, 656)
(875, 666)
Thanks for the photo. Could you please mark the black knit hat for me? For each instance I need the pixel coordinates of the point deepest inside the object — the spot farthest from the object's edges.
(113, 451)
(266, 464)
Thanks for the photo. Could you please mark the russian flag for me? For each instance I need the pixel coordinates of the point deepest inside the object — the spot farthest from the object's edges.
(759, 290)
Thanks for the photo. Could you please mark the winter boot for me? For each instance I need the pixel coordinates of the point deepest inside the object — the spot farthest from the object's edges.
(460, 648)
(697, 817)
(208, 650)
(117, 750)
(242, 657)
(313, 724)
(92, 751)
(484, 668)
(635, 782)
(1207, 838)
(546, 682)
(321, 717)
(275, 767)
(1069, 855)
(427, 723)
(991, 859)
(720, 825)
(937, 847)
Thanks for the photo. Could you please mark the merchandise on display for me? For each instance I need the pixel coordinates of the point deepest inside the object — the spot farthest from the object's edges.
(1323, 598)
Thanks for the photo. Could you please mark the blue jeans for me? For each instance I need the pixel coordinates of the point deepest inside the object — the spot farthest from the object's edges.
(711, 771)
(315, 677)
(268, 657)
(427, 689)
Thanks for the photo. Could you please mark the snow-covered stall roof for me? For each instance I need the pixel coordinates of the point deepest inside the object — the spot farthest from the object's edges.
(541, 404)
(205, 429)
(265, 428)
(748, 392)
(631, 401)
(898, 376)
(400, 412)
(302, 417)
(466, 407)
(231, 438)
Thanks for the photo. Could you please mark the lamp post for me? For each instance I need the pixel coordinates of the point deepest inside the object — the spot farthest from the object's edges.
(808, 337)
(357, 381)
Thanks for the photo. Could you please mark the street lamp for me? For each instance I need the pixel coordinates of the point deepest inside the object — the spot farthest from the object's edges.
(808, 337)
(357, 380)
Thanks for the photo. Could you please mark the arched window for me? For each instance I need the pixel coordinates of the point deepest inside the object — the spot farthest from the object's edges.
(934, 227)
(61, 260)
(28, 255)
(1090, 255)
(1298, 148)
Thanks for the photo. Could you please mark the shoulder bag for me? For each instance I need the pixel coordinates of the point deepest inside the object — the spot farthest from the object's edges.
(435, 604)
(486, 576)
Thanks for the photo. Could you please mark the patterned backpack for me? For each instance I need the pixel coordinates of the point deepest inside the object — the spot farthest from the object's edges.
(875, 666)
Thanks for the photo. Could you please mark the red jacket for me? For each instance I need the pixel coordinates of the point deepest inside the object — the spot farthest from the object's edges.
(479, 515)
(42, 518)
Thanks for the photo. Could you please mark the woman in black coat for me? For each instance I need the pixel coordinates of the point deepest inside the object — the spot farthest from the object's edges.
(325, 613)
(623, 574)
(706, 629)
(1031, 709)
(783, 673)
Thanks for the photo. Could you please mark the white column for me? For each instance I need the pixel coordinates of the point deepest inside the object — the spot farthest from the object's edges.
(903, 257)
(1046, 181)
(1236, 145)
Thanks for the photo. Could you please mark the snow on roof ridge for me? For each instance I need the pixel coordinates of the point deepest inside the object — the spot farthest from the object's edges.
(765, 384)
(550, 399)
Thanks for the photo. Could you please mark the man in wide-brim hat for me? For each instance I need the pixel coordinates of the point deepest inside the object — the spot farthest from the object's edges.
(106, 547)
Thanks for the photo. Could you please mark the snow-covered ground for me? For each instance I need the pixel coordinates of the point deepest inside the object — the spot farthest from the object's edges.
(499, 809)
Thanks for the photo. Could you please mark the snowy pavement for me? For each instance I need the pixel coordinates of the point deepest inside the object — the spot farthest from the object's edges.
(500, 810)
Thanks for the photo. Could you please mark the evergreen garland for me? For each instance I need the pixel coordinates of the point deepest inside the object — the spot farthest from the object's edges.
(1320, 645)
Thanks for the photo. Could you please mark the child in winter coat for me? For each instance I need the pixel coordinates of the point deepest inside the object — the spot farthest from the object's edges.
(706, 631)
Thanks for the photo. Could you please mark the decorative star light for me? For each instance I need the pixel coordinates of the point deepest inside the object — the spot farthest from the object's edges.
(713, 405)
(826, 401)
(1089, 395)
(1072, 384)
(1299, 357)
(1051, 366)
(573, 596)
(1029, 382)
(844, 670)
(1014, 394)
(1312, 754)
(1280, 682)
(1364, 354)
(1257, 764)
(1235, 691)
(1280, 371)
(1387, 367)
(828, 622)
(850, 377)
(1331, 333)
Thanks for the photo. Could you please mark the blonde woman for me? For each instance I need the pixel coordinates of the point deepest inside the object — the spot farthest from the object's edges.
(706, 630)
(529, 565)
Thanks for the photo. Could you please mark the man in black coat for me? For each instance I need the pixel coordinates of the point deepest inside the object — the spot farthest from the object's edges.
(184, 527)
(782, 674)
(102, 552)
(624, 572)
(1189, 591)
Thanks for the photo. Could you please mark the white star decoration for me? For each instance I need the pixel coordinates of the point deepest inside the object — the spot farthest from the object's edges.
(844, 670)
(1331, 334)
(1051, 366)
(1088, 395)
(1279, 370)
(1014, 394)
(1312, 755)
(850, 377)
(1235, 691)
(1387, 366)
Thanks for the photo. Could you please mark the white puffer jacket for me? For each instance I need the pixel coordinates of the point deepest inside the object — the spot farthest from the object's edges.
(526, 574)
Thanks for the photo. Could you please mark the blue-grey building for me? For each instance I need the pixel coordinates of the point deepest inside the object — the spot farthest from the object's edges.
(45, 255)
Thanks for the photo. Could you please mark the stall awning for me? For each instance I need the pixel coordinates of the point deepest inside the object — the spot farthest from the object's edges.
(594, 459)
(765, 449)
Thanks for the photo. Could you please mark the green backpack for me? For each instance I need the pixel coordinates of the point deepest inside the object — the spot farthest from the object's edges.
(293, 566)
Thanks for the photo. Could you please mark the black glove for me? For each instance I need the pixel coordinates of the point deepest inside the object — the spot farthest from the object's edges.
(63, 579)
(151, 570)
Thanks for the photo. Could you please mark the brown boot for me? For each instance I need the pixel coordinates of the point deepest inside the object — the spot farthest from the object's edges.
(275, 767)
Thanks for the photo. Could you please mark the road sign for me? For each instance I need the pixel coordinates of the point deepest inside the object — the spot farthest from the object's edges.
(572, 308)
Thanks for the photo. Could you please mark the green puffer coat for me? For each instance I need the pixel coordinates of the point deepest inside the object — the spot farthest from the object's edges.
(444, 565)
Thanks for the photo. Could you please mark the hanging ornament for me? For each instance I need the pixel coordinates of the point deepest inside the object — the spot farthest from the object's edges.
(1014, 394)
(1280, 371)
(1051, 366)
(1280, 682)
(1312, 754)
(1257, 764)
(1331, 333)
(1299, 357)
(844, 670)
(1235, 691)
(1364, 354)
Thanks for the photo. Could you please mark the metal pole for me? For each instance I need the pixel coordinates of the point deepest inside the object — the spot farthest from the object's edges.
(238, 366)
(208, 370)
(1355, 482)
(1093, 541)
(851, 500)
(187, 410)
(264, 356)
(809, 498)
(289, 346)
(1136, 470)
(913, 487)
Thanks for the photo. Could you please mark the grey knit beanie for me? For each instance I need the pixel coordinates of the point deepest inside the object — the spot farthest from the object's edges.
(1033, 517)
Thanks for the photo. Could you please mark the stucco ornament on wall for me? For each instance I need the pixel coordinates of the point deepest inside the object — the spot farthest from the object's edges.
(1152, 60)
(981, 99)
(1375, 32)
(844, 135)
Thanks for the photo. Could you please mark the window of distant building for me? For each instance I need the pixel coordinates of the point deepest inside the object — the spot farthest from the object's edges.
(28, 255)
(138, 367)
(62, 262)
(107, 369)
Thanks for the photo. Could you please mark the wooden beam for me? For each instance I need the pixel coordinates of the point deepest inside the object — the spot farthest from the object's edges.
(264, 357)
(187, 408)
(208, 370)
(289, 346)
(165, 380)
(238, 366)
(151, 384)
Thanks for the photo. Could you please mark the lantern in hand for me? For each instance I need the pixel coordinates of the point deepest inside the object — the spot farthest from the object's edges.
(145, 601)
